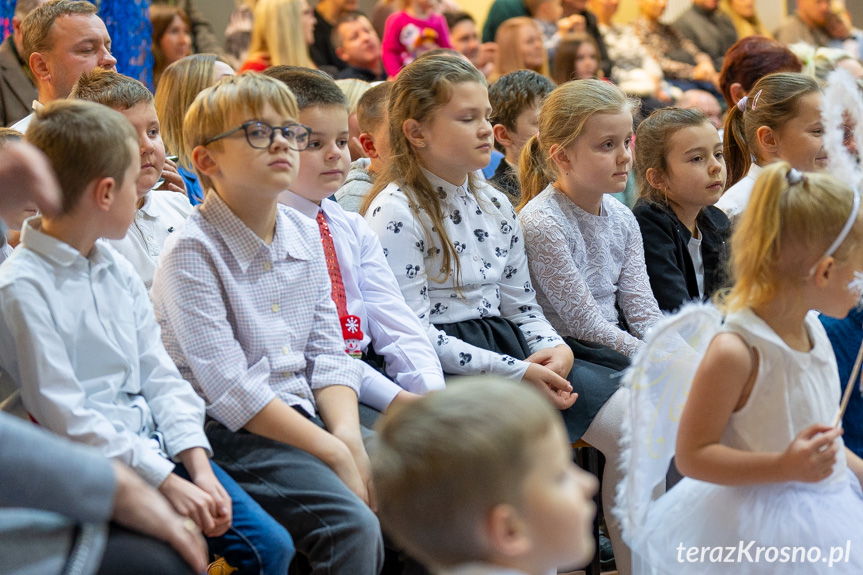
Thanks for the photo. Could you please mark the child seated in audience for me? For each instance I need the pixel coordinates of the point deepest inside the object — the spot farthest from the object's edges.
(80, 341)
(515, 99)
(411, 32)
(180, 84)
(10, 239)
(377, 325)
(160, 213)
(372, 118)
(780, 119)
(473, 489)
(243, 299)
(681, 173)
(577, 58)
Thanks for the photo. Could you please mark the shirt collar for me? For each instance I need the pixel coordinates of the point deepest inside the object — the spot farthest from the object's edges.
(150, 208)
(444, 186)
(307, 208)
(59, 252)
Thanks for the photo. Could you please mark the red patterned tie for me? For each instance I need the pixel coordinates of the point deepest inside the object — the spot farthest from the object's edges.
(351, 330)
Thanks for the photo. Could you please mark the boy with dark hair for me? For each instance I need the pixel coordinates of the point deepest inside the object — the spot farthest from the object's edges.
(78, 337)
(243, 298)
(375, 139)
(358, 46)
(377, 326)
(516, 100)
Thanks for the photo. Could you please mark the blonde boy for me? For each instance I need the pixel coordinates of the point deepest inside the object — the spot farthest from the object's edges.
(375, 139)
(243, 298)
(470, 488)
(160, 212)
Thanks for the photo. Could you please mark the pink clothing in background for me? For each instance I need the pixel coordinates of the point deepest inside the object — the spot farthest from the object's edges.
(406, 37)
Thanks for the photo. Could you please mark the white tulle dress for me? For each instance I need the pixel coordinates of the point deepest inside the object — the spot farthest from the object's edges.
(802, 528)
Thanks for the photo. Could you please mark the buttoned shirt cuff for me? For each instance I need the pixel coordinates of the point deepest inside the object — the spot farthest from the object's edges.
(422, 381)
(377, 390)
(239, 404)
(336, 369)
(188, 436)
(154, 468)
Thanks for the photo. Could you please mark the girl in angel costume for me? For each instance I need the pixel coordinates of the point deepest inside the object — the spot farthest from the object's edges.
(770, 487)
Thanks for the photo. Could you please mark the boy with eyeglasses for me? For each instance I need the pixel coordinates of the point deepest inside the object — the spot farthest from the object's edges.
(243, 298)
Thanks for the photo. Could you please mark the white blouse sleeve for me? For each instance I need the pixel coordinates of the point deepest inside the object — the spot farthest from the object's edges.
(553, 268)
(402, 237)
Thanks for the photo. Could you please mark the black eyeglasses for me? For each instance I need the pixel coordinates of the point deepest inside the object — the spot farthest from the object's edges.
(260, 135)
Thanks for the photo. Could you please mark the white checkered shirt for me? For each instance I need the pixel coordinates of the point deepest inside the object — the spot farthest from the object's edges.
(247, 322)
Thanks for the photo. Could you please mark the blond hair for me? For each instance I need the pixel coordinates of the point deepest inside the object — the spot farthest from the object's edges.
(562, 119)
(771, 102)
(277, 31)
(444, 462)
(783, 226)
(84, 141)
(181, 82)
(654, 140)
(353, 90)
(420, 90)
(232, 100)
(509, 57)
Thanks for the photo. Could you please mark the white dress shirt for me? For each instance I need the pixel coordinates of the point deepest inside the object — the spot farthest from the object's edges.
(78, 337)
(162, 214)
(247, 322)
(373, 295)
(736, 198)
(5, 249)
(494, 277)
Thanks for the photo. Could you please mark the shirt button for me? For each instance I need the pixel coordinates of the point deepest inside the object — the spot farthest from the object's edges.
(476, 258)
(275, 308)
(151, 239)
(285, 350)
(267, 266)
(138, 216)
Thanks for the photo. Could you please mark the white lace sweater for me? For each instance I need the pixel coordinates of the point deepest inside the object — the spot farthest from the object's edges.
(582, 265)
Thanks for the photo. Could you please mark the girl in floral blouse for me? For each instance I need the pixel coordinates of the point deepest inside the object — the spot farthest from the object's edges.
(456, 247)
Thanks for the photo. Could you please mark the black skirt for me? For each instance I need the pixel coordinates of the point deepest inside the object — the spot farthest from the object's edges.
(595, 374)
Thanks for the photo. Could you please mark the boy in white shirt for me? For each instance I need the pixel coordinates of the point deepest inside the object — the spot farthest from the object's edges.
(78, 338)
(377, 325)
(470, 488)
(160, 212)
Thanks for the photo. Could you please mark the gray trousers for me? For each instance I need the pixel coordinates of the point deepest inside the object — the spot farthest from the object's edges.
(330, 525)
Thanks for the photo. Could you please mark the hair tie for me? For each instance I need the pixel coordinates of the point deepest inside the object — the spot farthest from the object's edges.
(794, 176)
(741, 105)
(755, 101)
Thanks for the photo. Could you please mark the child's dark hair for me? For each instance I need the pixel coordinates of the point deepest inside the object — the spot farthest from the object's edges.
(752, 58)
(9, 135)
(373, 106)
(110, 89)
(513, 93)
(84, 141)
(772, 101)
(455, 18)
(654, 138)
(420, 90)
(567, 51)
(336, 35)
(311, 87)
(561, 121)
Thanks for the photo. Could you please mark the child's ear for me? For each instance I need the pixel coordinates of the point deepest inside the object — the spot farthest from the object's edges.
(737, 92)
(561, 158)
(204, 161)
(767, 140)
(506, 532)
(368, 144)
(656, 179)
(824, 270)
(102, 192)
(501, 134)
(414, 132)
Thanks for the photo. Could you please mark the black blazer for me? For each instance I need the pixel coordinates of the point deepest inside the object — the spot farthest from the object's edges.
(666, 252)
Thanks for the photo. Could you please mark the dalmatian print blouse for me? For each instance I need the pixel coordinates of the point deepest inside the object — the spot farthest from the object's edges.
(495, 278)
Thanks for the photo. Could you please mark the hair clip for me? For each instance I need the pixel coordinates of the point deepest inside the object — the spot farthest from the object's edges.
(741, 105)
(794, 176)
(755, 101)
